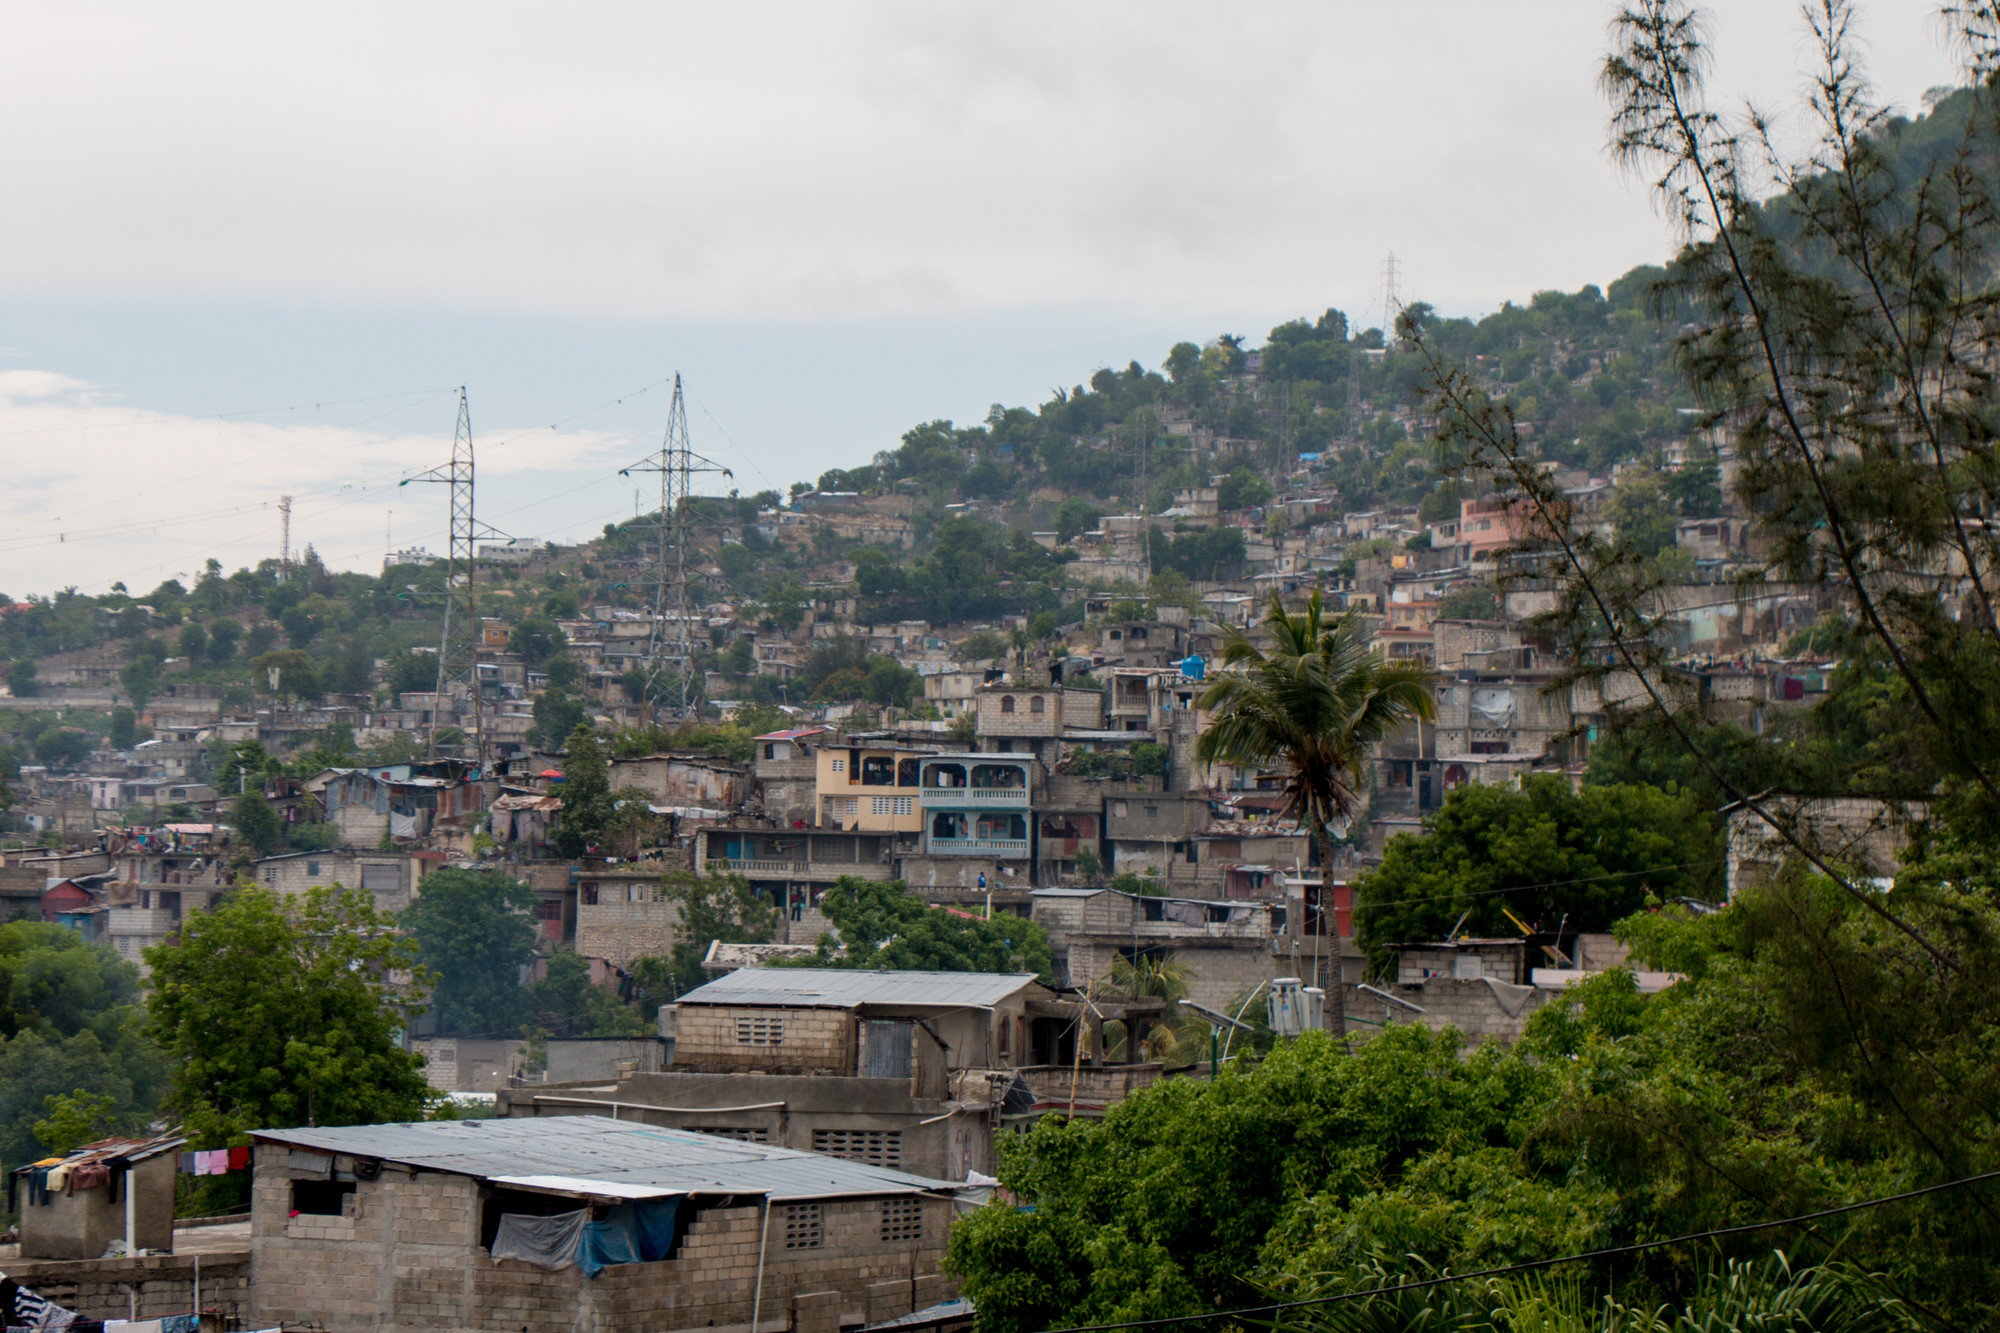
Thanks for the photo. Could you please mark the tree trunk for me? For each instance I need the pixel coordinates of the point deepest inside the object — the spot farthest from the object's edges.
(1336, 991)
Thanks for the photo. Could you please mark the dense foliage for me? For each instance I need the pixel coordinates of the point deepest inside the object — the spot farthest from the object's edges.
(278, 1011)
(1814, 1056)
(880, 924)
(1552, 855)
(69, 1023)
(474, 932)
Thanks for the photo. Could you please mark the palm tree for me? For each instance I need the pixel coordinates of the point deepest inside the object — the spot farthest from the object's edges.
(1313, 704)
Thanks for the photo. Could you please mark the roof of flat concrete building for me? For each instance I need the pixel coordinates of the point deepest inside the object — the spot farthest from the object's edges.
(838, 988)
(597, 1156)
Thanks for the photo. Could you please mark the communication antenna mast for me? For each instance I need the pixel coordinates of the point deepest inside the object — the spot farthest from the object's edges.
(284, 538)
(670, 646)
(458, 645)
(1392, 299)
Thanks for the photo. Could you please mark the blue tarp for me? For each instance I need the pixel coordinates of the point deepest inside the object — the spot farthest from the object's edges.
(631, 1233)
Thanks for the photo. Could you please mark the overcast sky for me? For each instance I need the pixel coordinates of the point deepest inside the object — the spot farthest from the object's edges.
(836, 219)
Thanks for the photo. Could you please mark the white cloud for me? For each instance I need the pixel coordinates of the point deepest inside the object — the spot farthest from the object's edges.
(101, 493)
(815, 161)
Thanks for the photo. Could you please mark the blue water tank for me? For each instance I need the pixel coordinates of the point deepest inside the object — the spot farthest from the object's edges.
(1194, 668)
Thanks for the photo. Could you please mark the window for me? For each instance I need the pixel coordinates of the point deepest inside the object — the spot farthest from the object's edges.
(1006, 703)
(321, 1198)
(312, 870)
(270, 874)
(902, 1219)
(1118, 809)
(1004, 1026)
(587, 895)
(892, 805)
(638, 893)
(840, 765)
(730, 1132)
(1036, 706)
(802, 1227)
(760, 1031)
(770, 752)
(1152, 812)
(877, 1147)
(1467, 967)
(549, 909)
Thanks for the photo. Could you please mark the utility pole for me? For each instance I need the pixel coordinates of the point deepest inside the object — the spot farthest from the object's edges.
(458, 645)
(284, 538)
(676, 463)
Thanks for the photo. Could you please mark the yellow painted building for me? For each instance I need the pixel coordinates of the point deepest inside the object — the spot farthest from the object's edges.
(869, 789)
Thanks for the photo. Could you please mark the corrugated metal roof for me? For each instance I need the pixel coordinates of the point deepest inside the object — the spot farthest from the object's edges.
(626, 1158)
(835, 988)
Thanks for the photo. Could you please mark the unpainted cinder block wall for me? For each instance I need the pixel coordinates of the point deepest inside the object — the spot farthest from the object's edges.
(406, 1255)
(813, 1041)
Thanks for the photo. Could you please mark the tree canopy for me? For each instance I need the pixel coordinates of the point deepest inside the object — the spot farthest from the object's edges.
(278, 1011)
(474, 932)
(883, 924)
(1548, 853)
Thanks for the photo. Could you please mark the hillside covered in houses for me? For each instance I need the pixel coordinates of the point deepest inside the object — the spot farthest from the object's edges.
(1309, 819)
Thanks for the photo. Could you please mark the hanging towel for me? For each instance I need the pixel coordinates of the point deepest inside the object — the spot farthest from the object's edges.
(239, 1159)
(218, 1162)
(187, 1164)
(57, 1176)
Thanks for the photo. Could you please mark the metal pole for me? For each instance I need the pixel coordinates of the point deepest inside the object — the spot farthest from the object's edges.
(763, 1243)
(131, 1214)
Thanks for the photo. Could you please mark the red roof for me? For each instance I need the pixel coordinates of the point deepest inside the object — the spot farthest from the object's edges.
(550, 773)
(796, 734)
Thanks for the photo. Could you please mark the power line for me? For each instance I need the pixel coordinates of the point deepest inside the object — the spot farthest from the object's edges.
(1610, 1253)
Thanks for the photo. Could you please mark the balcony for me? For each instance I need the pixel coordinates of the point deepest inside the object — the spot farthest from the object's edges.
(978, 846)
(975, 798)
(815, 872)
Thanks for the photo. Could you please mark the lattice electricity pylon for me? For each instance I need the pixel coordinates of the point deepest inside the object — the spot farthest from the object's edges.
(673, 643)
(458, 644)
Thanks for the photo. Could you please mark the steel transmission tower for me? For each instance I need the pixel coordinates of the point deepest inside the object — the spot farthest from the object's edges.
(670, 646)
(458, 645)
(1392, 300)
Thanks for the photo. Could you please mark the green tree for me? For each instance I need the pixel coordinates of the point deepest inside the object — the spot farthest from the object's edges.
(256, 824)
(558, 713)
(536, 638)
(223, 636)
(1165, 1206)
(885, 925)
(295, 676)
(565, 1002)
(1638, 509)
(1313, 706)
(75, 1118)
(587, 807)
(68, 1028)
(1074, 516)
(21, 679)
(141, 678)
(279, 1011)
(710, 908)
(413, 673)
(124, 728)
(474, 931)
(563, 671)
(193, 641)
(1548, 853)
